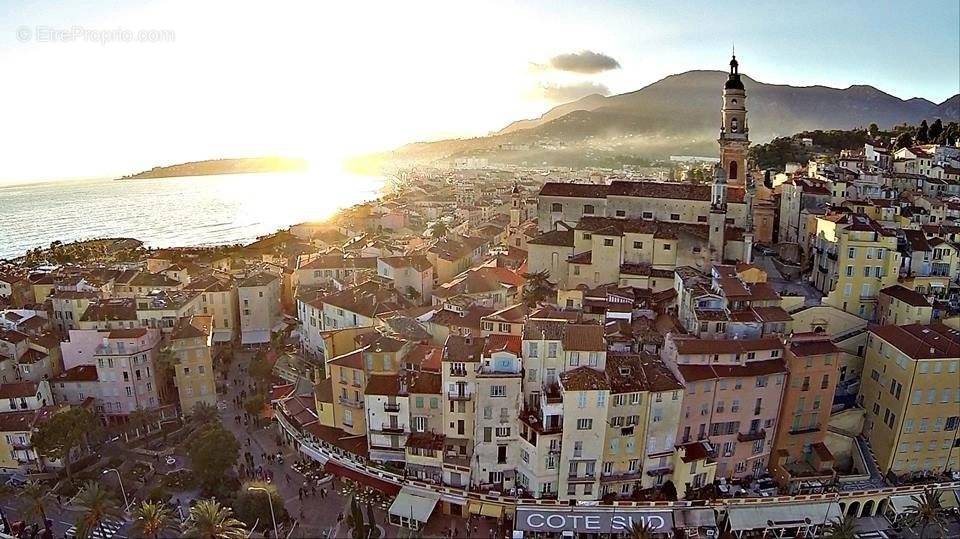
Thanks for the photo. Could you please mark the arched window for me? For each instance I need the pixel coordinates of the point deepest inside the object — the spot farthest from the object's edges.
(733, 170)
(733, 125)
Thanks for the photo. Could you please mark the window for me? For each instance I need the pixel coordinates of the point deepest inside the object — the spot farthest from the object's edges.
(503, 432)
(666, 246)
(638, 245)
(556, 207)
(607, 242)
(532, 350)
(621, 213)
(648, 215)
(674, 216)
(498, 391)
(588, 209)
(552, 350)
(852, 252)
(584, 424)
(587, 235)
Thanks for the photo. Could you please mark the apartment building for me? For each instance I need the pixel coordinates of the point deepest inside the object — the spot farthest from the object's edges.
(498, 399)
(75, 385)
(585, 391)
(799, 453)
(911, 393)
(854, 258)
(192, 361)
(425, 443)
(387, 407)
(461, 357)
(68, 306)
(260, 309)
(412, 276)
(733, 392)
(126, 367)
(219, 299)
(898, 305)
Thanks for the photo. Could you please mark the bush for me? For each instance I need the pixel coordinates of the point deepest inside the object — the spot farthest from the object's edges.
(159, 494)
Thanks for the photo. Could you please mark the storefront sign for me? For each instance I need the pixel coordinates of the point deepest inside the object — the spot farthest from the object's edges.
(590, 520)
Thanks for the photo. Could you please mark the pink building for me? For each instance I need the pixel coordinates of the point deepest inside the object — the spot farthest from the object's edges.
(126, 367)
(732, 398)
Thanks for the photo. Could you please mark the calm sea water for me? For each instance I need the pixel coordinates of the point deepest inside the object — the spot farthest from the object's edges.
(204, 210)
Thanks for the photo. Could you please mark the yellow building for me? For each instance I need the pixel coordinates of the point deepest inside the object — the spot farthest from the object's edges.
(901, 306)
(911, 393)
(854, 258)
(193, 365)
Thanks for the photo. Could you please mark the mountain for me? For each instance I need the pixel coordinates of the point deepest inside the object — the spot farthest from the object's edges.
(211, 167)
(680, 114)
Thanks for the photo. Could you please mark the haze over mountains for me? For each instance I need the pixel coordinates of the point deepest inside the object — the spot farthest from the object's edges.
(679, 115)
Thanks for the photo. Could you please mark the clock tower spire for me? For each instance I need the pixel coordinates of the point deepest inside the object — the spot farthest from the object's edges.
(734, 132)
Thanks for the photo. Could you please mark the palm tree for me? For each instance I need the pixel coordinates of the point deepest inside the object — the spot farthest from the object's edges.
(204, 413)
(34, 503)
(641, 530)
(210, 520)
(926, 511)
(99, 506)
(150, 519)
(840, 528)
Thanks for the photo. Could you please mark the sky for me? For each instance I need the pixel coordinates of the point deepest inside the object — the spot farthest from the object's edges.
(107, 87)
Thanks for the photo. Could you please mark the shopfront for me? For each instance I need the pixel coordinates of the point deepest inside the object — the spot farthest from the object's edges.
(587, 522)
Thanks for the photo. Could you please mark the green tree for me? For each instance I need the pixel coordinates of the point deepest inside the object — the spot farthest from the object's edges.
(355, 520)
(210, 520)
(204, 414)
(260, 369)
(925, 511)
(873, 130)
(904, 140)
(151, 519)
(935, 130)
(212, 454)
(140, 419)
(439, 230)
(57, 437)
(255, 404)
(840, 528)
(922, 135)
(252, 506)
(34, 501)
(536, 287)
(98, 506)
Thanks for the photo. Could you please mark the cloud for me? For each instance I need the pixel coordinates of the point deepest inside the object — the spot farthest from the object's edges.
(584, 62)
(569, 92)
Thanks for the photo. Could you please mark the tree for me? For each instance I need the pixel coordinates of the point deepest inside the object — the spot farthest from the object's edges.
(355, 520)
(204, 414)
(371, 523)
(212, 454)
(904, 140)
(255, 404)
(873, 130)
(670, 491)
(922, 136)
(98, 507)
(253, 506)
(840, 528)
(260, 369)
(57, 437)
(935, 130)
(210, 520)
(139, 419)
(925, 511)
(34, 501)
(641, 530)
(439, 230)
(536, 288)
(151, 519)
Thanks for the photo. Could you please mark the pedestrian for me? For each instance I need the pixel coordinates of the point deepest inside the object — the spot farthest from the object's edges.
(300, 494)
(288, 477)
(313, 489)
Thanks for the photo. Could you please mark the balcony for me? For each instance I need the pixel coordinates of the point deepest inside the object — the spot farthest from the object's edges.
(831, 255)
(462, 395)
(536, 420)
(751, 436)
(804, 430)
(391, 429)
(391, 407)
(552, 394)
(585, 478)
(458, 372)
(662, 470)
(347, 401)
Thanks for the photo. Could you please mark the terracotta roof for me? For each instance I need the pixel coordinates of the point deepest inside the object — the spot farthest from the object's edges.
(469, 319)
(111, 310)
(13, 336)
(918, 341)
(417, 262)
(670, 190)
(339, 262)
(632, 373)
(499, 343)
(813, 348)
(558, 238)
(426, 356)
(131, 333)
(368, 299)
(725, 346)
(426, 440)
(584, 337)
(463, 349)
(355, 444)
(425, 383)
(910, 297)
(772, 314)
(18, 389)
(79, 373)
(198, 325)
(584, 379)
(323, 390)
(383, 384)
(353, 360)
(262, 278)
(692, 373)
(580, 190)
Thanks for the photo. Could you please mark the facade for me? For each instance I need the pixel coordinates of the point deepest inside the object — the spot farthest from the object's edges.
(260, 309)
(190, 345)
(126, 367)
(911, 393)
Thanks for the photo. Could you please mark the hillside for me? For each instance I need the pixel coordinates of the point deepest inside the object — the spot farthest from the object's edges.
(680, 115)
(244, 165)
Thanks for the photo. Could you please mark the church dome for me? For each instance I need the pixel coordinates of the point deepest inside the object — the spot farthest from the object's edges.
(733, 83)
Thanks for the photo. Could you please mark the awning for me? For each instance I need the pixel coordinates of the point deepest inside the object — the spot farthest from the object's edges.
(225, 335)
(757, 517)
(369, 480)
(256, 336)
(696, 518)
(487, 510)
(414, 505)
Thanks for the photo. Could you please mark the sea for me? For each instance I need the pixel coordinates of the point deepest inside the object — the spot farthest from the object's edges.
(165, 212)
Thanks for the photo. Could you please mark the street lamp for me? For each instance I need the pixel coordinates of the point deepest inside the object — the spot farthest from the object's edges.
(269, 499)
(126, 504)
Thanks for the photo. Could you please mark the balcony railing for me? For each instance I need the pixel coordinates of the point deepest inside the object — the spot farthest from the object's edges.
(459, 395)
(391, 407)
(751, 436)
(347, 401)
(582, 477)
(663, 470)
(391, 429)
(552, 394)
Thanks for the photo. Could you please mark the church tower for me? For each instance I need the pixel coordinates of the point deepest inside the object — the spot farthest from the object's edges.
(734, 132)
(517, 206)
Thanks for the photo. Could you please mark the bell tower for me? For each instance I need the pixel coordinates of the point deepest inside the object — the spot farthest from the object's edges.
(734, 132)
